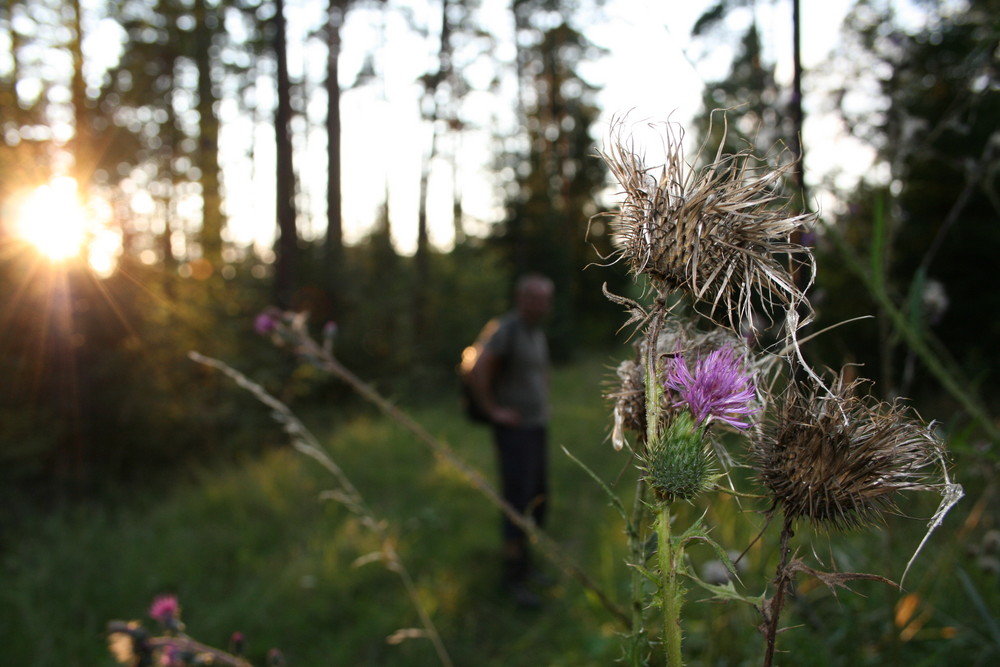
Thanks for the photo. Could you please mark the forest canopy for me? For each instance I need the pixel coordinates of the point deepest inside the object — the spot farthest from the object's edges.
(135, 134)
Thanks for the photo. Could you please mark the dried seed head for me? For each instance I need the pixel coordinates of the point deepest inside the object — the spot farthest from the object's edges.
(715, 233)
(629, 398)
(678, 466)
(840, 460)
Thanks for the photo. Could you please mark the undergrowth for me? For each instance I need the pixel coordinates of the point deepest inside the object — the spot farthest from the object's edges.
(252, 548)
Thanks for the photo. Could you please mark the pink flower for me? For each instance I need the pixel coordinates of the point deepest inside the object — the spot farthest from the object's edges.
(721, 388)
(265, 323)
(165, 609)
(171, 657)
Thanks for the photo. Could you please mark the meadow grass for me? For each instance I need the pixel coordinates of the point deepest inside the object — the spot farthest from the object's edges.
(252, 547)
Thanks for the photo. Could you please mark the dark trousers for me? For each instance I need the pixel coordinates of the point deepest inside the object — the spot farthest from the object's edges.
(524, 468)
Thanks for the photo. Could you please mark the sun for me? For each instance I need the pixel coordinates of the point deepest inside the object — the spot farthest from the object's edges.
(54, 219)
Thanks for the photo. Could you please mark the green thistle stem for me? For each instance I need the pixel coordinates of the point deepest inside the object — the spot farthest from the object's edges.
(670, 589)
(654, 393)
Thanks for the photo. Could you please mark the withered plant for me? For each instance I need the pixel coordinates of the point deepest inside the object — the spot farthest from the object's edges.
(715, 245)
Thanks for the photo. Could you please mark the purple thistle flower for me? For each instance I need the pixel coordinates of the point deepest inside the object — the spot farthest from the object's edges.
(265, 323)
(721, 388)
(165, 609)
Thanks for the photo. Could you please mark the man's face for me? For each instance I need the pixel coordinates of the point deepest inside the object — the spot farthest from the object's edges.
(534, 302)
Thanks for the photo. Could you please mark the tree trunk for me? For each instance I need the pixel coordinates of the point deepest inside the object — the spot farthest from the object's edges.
(287, 250)
(207, 157)
(422, 258)
(81, 145)
(797, 118)
(800, 276)
(334, 219)
(457, 212)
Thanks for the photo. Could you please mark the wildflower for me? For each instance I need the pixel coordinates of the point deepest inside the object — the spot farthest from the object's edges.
(266, 322)
(717, 233)
(165, 609)
(839, 460)
(720, 388)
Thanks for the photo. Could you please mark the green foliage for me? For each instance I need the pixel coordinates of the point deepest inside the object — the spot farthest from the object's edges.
(939, 218)
(466, 287)
(98, 390)
(252, 548)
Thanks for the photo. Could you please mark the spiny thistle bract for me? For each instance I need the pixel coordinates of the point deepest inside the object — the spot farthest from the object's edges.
(838, 460)
(716, 233)
(678, 465)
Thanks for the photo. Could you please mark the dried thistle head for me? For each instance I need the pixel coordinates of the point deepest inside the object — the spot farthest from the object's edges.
(629, 397)
(839, 460)
(716, 233)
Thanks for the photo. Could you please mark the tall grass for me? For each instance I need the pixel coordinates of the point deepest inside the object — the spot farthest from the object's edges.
(252, 548)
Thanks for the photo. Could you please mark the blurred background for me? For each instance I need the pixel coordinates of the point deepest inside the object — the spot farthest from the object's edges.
(169, 168)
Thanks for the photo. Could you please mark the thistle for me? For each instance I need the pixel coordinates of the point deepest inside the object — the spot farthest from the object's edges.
(720, 389)
(165, 609)
(627, 392)
(715, 233)
(840, 460)
(719, 239)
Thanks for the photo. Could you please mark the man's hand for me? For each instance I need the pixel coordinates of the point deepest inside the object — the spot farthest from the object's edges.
(505, 416)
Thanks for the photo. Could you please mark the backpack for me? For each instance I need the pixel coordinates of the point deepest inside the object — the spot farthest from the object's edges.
(471, 406)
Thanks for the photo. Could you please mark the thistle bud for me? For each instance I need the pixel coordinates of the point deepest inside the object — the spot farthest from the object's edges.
(678, 465)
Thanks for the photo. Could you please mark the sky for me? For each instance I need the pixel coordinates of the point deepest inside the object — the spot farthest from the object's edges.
(652, 71)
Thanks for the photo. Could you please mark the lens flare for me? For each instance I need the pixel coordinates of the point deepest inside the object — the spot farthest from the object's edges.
(54, 219)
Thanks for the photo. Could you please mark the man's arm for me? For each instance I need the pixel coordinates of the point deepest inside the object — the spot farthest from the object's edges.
(483, 377)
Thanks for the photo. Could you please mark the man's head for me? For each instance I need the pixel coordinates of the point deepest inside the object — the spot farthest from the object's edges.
(533, 297)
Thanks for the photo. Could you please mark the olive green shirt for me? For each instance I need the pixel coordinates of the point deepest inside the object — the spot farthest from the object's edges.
(522, 376)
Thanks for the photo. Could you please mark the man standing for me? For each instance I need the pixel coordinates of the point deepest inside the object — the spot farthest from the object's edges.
(512, 381)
